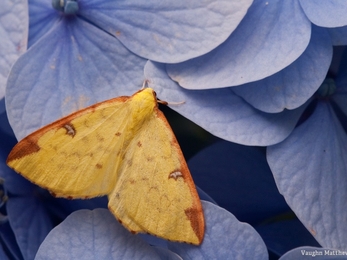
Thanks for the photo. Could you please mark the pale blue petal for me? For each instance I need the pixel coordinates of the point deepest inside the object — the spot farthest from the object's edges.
(326, 13)
(93, 234)
(166, 254)
(14, 35)
(74, 65)
(153, 240)
(272, 35)
(223, 113)
(225, 238)
(295, 84)
(42, 19)
(310, 168)
(167, 31)
(309, 252)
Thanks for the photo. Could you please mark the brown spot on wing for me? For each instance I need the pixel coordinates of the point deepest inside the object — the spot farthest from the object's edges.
(70, 129)
(150, 159)
(100, 138)
(155, 187)
(129, 162)
(139, 144)
(118, 134)
(176, 174)
(77, 154)
(98, 165)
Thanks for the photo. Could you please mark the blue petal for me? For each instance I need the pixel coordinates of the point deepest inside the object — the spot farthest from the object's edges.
(13, 182)
(272, 35)
(326, 13)
(167, 31)
(283, 233)
(13, 34)
(8, 241)
(204, 196)
(295, 84)
(164, 253)
(74, 65)
(223, 113)
(5, 128)
(309, 252)
(153, 240)
(338, 35)
(310, 171)
(239, 179)
(30, 223)
(42, 19)
(61, 207)
(93, 234)
(225, 238)
(3, 255)
(340, 95)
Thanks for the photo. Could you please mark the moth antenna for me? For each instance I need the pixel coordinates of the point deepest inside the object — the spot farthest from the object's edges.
(171, 103)
(145, 84)
(165, 103)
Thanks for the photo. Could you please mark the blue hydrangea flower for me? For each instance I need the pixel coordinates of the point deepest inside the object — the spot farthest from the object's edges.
(277, 58)
(272, 36)
(97, 235)
(13, 34)
(222, 112)
(310, 165)
(264, 73)
(85, 51)
(254, 88)
(308, 162)
(254, 85)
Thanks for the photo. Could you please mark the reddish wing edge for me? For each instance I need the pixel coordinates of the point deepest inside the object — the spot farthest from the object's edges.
(195, 213)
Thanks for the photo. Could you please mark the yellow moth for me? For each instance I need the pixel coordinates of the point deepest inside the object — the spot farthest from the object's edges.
(123, 148)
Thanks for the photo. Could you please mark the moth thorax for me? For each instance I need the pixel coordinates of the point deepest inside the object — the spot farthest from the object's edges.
(143, 105)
